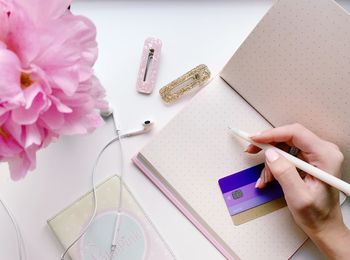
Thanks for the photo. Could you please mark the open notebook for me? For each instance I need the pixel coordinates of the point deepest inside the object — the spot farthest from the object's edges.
(293, 67)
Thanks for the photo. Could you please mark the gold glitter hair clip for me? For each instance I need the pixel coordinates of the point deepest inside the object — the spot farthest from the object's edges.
(195, 78)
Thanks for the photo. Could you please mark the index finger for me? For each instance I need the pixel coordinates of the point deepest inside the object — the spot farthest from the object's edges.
(294, 135)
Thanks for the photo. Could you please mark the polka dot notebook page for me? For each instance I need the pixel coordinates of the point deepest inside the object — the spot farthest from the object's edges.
(293, 67)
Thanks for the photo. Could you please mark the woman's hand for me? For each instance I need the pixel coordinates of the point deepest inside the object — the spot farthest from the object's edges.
(313, 204)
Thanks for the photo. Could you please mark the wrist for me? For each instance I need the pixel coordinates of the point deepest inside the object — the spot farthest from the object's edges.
(333, 240)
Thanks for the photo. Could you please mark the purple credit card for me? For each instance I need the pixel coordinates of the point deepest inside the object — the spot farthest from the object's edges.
(239, 190)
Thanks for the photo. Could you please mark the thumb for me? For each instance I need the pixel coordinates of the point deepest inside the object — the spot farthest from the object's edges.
(285, 173)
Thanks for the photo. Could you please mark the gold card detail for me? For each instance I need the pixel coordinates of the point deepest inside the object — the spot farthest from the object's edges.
(258, 211)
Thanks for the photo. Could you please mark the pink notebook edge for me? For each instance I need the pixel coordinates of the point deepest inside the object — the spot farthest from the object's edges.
(181, 207)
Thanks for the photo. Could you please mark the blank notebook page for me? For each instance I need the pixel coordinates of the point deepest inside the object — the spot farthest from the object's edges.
(196, 149)
(295, 67)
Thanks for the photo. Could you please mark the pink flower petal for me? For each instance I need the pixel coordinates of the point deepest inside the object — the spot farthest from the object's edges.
(22, 35)
(43, 11)
(77, 124)
(29, 116)
(39, 76)
(10, 85)
(49, 137)
(69, 40)
(77, 100)
(9, 147)
(60, 106)
(33, 136)
(53, 119)
(15, 130)
(18, 167)
(3, 118)
(30, 94)
(4, 28)
(22, 163)
(98, 93)
(65, 79)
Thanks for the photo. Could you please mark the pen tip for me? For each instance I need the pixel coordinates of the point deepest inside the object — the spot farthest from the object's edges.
(233, 129)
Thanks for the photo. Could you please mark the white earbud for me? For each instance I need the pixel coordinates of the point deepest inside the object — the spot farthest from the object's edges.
(107, 112)
(147, 127)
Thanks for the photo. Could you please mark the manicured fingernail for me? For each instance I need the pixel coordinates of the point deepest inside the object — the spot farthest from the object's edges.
(262, 176)
(247, 148)
(257, 183)
(271, 155)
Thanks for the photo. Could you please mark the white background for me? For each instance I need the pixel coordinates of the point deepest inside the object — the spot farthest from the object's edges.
(193, 32)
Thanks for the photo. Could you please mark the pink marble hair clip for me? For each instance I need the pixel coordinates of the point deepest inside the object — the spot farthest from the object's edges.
(148, 70)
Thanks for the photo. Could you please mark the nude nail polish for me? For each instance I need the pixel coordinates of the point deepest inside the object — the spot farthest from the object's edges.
(257, 183)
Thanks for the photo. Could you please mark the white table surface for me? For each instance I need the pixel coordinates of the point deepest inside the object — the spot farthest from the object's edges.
(193, 32)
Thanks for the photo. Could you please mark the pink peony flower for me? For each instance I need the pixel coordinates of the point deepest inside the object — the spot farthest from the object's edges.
(47, 85)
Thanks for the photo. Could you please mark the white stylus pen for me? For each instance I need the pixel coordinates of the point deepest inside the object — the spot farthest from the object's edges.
(304, 166)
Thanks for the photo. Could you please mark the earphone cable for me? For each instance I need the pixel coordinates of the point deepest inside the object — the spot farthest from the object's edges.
(120, 199)
(20, 243)
(94, 191)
